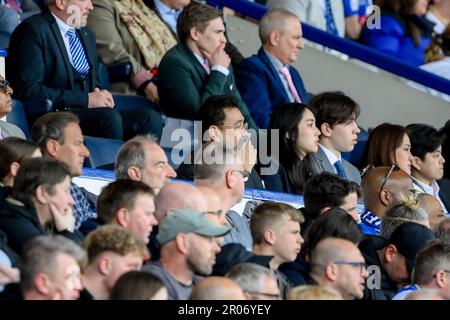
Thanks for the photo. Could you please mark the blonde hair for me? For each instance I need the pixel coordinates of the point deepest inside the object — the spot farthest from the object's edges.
(313, 292)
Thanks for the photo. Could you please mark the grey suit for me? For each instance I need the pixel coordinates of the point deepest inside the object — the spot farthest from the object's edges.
(320, 163)
(11, 130)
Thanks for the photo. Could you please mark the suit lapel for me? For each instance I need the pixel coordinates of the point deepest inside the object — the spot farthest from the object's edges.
(194, 61)
(326, 165)
(90, 52)
(60, 42)
(265, 59)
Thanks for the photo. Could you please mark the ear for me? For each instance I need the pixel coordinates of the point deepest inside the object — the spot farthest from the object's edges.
(269, 236)
(134, 173)
(182, 242)
(195, 33)
(274, 38)
(331, 271)
(60, 4)
(230, 180)
(104, 265)
(123, 217)
(390, 253)
(214, 133)
(52, 147)
(326, 130)
(42, 283)
(41, 194)
(416, 163)
(441, 279)
(385, 197)
(14, 168)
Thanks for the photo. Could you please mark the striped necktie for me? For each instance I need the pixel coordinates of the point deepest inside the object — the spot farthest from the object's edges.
(79, 60)
(329, 19)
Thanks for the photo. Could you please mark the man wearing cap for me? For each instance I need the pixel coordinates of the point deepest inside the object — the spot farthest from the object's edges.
(392, 261)
(188, 251)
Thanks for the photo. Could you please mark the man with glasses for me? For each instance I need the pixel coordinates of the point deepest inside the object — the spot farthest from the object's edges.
(221, 170)
(222, 121)
(338, 263)
(7, 129)
(431, 271)
(383, 188)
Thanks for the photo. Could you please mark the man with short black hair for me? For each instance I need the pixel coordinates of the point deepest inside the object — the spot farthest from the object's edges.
(428, 163)
(327, 190)
(336, 116)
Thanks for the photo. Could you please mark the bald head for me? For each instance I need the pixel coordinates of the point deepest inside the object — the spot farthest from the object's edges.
(217, 288)
(380, 193)
(433, 208)
(178, 195)
(332, 249)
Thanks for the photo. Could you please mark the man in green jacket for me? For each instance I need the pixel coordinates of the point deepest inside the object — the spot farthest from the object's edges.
(198, 67)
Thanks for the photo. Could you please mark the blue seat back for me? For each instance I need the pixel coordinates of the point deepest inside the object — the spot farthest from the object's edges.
(17, 117)
(103, 152)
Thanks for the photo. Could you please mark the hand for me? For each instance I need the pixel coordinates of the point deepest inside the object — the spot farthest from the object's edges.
(248, 155)
(218, 57)
(8, 275)
(62, 221)
(151, 92)
(100, 99)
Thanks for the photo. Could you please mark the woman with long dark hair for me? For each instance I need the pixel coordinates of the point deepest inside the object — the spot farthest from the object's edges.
(298, 137)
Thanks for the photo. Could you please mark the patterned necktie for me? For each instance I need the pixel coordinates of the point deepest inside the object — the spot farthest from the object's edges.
(340, 169)
(13, 5)
(331, 26)
(287, 75)
(205, 65)
(79, 60)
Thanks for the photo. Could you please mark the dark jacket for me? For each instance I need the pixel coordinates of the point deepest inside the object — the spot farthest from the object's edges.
(21, 224)
(7, 250)
(39, 67)
(297, 271)
(369, 248)
(444, 192)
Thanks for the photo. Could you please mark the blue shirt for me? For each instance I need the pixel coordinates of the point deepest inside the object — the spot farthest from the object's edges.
(370, 224)
(170, 16)
(359, 7)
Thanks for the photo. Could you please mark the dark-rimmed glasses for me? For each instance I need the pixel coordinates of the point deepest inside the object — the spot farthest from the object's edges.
(245, 174)
(360, 265)
(243, 126)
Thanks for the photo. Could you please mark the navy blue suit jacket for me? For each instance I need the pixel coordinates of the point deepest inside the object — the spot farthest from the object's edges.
(262, 89)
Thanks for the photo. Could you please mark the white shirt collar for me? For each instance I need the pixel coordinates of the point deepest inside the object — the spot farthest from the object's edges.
(164, 9)
(61, 24)
(330, 155)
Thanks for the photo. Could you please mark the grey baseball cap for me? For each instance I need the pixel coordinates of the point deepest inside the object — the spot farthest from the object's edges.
(188, 221)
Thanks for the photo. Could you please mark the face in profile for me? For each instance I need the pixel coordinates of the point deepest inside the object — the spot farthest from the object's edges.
(403, 155)
(157, 170)
(77, 12)
(308, 135)
(344, 136)
(65, 282)
(288, 240)
(212, 37)
(142, 217)
(351, 276)
(202, 254)
(5, 97)
(290, 41)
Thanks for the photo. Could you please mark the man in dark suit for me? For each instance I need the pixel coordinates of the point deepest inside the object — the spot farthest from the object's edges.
(266, 80)
(198, 67)
(52, 56)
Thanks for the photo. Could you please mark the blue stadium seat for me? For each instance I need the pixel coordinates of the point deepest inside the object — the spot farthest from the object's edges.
(17, 116)
(103, 152)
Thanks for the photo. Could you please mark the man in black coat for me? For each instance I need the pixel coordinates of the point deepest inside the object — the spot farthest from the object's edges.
(53, 56)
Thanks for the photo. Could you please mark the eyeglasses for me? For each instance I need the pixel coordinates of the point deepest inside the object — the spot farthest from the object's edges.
(445, 270)
(360, 265)
(388, 175)
(273, 296)
(4, 85)
(245, 174)
(243, 126)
